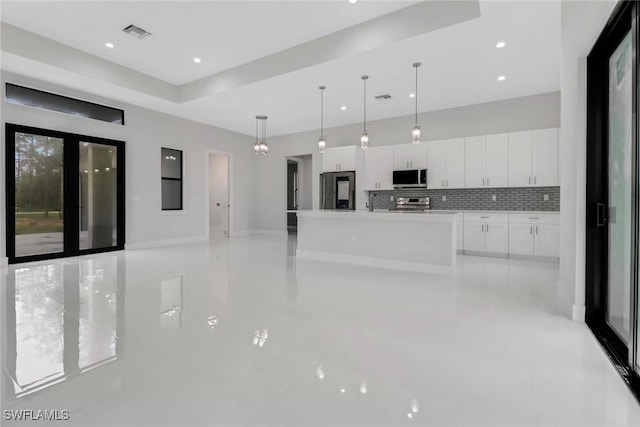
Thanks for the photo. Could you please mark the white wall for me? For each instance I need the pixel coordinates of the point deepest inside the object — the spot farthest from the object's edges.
(305, 171)
(218, 190)
(582, 22)
(145, 133)
(531, 112)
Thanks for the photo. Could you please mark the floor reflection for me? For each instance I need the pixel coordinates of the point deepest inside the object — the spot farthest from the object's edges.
(62, 319)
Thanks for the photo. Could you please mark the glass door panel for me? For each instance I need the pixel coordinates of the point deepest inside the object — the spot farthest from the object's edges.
(620, 188)
(39, 164)
(98, 196)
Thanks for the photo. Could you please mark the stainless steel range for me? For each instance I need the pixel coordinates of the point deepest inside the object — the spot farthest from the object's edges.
(412, 204)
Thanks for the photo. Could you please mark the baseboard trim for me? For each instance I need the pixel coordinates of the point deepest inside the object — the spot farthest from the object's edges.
(166, 242)
(578, 313)
(376, 262)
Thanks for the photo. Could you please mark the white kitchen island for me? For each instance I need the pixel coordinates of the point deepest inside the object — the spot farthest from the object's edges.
(410, 241)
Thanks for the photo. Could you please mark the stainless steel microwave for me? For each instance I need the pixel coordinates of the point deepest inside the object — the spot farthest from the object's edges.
(410, 178)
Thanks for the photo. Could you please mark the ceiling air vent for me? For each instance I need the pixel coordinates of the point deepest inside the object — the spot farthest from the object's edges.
(385, 96)
(136, 31)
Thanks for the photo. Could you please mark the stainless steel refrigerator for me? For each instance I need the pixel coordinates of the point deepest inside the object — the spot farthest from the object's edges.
(338, 190)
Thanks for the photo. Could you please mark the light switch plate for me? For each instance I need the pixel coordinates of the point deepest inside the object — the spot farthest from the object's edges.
(546, 197)
(391, 198)
(444, 198)
(493, 197)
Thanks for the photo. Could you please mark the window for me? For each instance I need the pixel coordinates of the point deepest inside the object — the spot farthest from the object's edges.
(49, 101)
(171, 162)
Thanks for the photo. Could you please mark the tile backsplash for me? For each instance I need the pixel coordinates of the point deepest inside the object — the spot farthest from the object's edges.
(506, 199)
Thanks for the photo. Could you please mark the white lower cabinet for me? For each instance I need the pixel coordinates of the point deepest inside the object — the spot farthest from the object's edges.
(534, 234)
(473, 236)
(486, 232)
(546, 241)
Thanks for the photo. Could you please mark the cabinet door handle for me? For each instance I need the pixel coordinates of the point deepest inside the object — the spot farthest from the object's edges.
(482, 181)
(485, 217)
(529, 180)
(531, 229)
(447, 182)
(483, 228)
(487, 181)
(535, 179)
(536, 229)
(534, 217)
(487, 228)
(443, 182)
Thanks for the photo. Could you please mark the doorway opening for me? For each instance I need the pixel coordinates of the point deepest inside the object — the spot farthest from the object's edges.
(299, 176)
(219, 195)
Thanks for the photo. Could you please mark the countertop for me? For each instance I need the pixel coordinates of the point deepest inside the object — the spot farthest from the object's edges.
(380, 214)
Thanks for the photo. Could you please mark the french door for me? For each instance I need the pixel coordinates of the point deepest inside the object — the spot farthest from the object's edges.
(65, 194)
(612, 191)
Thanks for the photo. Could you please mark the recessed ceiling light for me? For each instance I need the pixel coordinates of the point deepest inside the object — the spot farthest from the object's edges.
(501, 78)
(353, 1)
(501, 44)
(109, 45)
(412, 95)
(344, 107)
(196, 60)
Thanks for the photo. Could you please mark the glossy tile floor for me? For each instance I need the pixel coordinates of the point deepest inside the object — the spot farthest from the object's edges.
(237, 332)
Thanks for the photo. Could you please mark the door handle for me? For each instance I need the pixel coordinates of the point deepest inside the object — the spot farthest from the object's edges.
(536, 229)
(531, 229)
(487, 228)
(601, 215)
(529, 180)
(535, 179)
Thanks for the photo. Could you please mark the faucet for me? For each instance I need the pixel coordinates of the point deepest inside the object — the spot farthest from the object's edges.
(371, 196)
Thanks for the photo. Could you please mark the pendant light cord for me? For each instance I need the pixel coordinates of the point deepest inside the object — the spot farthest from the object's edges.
(364, 78)
(417, 94)
(321, 111)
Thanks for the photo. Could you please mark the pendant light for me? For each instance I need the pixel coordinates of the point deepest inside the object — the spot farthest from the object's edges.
(256, 146)
(364, 139)
(322, 142)
(261, 146)
(415, 132)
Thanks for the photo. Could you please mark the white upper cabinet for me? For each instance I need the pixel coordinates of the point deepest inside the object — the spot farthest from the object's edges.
(520, 161)
(445, 163)
(378, 168)
(339, 159)
(487, 161)
(533, 158)
(410, 156)
(497, 160)
(475, 166)
(455, 163)
(545, 157)
(436, 164)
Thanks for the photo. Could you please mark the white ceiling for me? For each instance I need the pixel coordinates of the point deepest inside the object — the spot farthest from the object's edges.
(460, 62)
